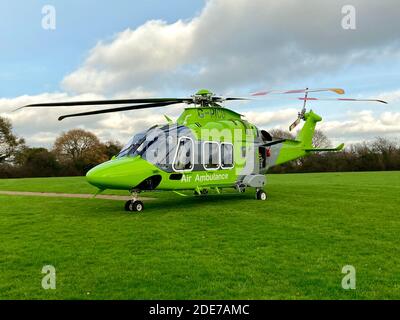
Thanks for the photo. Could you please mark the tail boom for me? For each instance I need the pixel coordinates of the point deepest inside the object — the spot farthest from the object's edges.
(302, 146)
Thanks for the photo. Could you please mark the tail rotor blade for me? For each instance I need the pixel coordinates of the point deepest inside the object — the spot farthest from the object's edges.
(294, 124)
(268, 92)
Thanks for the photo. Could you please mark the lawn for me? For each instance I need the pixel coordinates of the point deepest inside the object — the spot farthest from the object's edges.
(228, 246)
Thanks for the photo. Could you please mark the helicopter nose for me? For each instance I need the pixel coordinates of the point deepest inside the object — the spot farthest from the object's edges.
(124, 173)
(99, 177)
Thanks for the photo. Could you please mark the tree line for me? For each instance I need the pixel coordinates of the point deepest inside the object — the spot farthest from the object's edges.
(73, 153)
(76, 151)
(381, 154)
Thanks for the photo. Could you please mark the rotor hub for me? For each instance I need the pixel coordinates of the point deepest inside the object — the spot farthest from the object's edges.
(205, 98)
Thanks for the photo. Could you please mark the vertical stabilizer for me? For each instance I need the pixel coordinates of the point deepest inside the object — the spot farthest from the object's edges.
(306, 133)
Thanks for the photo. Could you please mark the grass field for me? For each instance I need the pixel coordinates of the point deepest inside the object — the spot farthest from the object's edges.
(227, 246)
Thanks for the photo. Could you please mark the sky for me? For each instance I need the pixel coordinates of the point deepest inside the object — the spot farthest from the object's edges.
(130, 49)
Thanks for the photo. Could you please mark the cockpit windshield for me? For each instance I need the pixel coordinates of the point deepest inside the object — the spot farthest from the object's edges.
(133, 144)
(157, 145)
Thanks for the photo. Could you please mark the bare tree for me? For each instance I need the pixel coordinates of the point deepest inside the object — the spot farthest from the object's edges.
(281, 134)
(383, 145)
(81, 146)
(320, 140)
(9, 143)
(112, 148)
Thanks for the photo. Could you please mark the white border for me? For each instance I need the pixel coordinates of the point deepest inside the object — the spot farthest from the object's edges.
(176, 154)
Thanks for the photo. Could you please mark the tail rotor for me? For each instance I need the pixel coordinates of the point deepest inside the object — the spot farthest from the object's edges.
(300, 115)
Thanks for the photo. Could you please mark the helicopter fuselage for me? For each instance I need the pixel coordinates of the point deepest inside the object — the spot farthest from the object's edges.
(210, 147)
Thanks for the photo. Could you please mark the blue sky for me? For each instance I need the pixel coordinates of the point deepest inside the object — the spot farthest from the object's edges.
(172, 48)
(34, 60)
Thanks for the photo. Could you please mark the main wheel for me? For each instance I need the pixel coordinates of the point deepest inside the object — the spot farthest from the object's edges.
(134, 206)
(261, 195)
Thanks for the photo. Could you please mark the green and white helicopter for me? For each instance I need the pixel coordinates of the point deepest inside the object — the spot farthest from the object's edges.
(208, 147)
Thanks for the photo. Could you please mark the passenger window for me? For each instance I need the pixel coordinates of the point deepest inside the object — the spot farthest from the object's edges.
(226, 155)
(211, 155)
(184, 157)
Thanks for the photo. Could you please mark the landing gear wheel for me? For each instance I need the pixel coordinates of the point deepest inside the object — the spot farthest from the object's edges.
(134, 206)
(261, 195)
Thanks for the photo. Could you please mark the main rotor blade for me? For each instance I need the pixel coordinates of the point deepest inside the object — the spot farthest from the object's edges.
(264, 93)
(125, 108)
(235, 99)
(343, 99)
(105, 102)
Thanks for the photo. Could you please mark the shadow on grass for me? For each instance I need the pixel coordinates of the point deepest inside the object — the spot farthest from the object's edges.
(175, 203)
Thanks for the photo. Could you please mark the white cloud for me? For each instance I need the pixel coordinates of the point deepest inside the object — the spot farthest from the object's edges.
(355, 127)
(392, 97)
(270, 118)
(363, 125)
(39, 126)
(231, 44)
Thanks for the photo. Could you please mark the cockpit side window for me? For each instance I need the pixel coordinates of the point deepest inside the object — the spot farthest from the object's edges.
(184, 157)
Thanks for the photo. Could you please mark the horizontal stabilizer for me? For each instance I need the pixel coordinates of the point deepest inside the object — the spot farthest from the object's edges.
(338, 148)
(272, 143)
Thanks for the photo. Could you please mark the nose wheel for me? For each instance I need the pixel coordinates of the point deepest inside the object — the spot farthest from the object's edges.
(134, 205)
(261, 195)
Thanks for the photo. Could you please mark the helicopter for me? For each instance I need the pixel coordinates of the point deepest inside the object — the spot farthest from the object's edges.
(209, 147)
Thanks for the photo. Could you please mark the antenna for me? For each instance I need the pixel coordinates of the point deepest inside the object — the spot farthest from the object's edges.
(303, 111)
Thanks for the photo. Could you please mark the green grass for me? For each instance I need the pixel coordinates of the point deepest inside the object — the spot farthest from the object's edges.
(62, 185)
(292, 246)
(65, 185)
